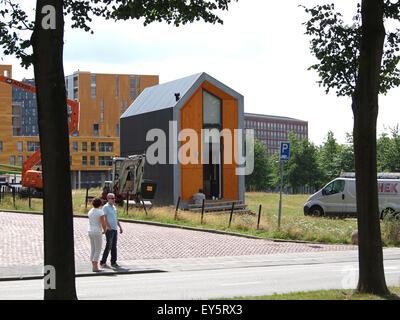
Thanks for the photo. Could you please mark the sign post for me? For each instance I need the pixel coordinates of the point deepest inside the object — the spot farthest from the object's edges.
(284, 155)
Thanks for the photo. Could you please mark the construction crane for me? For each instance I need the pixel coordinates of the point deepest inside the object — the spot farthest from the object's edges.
(33, 178)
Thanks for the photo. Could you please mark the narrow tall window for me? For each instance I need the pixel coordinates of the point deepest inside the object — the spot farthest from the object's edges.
(138, 85)
(95, 130)
(102, 110)
(93, 86)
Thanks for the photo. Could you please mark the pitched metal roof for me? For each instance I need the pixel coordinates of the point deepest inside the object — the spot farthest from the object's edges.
(162, 96)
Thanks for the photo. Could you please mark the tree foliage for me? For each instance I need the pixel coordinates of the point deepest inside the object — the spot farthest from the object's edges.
(260, 177)
(336, 45)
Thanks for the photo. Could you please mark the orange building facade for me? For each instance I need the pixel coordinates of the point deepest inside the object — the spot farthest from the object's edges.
(102, 97)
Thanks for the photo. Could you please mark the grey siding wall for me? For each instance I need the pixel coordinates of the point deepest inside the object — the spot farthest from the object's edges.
(133, 131)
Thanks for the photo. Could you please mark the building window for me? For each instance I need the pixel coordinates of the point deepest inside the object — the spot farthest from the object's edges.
(74, 146)
(84, 161)
(117, 130)
(92, 161)
(102, 110)
(1, 146)
(32, 146)
(76, 87)
(105, 161)
(93, 146)
(138, 85)
(133, 87)
(122, 107)
(16, 118)
(12, 160)
(106, 147)
(211, 109)
(93, 86)
(20, 161)
(96, 129)
(20, 146)
(84, 146)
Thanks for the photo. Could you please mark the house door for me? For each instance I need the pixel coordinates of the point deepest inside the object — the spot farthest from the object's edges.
(212, 173)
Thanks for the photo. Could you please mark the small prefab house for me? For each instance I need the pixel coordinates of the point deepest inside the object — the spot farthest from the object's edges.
(191, 131)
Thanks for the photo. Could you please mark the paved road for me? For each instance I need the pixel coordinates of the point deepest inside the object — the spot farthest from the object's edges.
(229, 277)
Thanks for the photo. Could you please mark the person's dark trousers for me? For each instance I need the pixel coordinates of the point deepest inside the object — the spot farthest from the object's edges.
(111, 245)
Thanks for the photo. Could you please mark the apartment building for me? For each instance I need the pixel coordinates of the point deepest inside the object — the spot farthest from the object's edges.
(271, 130)
(103, 98)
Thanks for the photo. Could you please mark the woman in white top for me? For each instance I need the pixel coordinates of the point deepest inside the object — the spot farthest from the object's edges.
(97, 226)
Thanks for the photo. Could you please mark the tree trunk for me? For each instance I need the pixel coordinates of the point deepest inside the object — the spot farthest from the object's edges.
(47, 42)
(365, 110)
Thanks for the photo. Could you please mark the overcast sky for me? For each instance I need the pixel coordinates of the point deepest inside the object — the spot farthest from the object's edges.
(260, 51)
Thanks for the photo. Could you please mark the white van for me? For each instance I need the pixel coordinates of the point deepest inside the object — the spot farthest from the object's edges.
(338, 198)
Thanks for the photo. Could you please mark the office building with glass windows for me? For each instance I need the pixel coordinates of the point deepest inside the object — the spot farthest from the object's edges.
(272, 130)
(102, 97)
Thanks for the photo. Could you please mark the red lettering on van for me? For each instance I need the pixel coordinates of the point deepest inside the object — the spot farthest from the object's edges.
(387, 187)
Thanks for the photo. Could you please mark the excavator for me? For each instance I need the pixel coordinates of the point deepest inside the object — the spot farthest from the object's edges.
(33, 178)
(127, 180)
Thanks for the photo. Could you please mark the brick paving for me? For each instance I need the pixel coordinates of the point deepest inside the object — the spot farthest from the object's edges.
(21, 242)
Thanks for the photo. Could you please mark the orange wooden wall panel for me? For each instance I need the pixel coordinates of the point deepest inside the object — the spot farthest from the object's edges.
(191, 117)
(192, 174)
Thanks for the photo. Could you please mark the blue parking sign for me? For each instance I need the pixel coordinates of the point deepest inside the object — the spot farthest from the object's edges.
(285, 151)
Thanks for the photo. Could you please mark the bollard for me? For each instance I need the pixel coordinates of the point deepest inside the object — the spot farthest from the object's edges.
(177, 206)
(13, 195)
(230, 218)
(29, 197)
(127, 202)
(202, 212)
(87, 194)
(259, 216)
(144, 207)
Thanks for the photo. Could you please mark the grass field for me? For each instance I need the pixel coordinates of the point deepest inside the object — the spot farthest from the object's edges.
(294, 225)
(341, 294)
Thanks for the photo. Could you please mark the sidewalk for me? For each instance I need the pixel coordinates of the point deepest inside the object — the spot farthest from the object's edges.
(145, 248)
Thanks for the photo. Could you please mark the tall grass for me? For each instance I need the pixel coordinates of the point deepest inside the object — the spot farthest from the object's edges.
(294, 225)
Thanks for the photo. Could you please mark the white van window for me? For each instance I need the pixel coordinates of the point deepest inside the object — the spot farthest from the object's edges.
(334, 187)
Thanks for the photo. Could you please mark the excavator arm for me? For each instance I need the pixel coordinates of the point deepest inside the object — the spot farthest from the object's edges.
(34, 178)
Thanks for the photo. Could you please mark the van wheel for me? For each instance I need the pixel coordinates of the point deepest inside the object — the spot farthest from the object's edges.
(316, 211)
